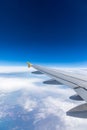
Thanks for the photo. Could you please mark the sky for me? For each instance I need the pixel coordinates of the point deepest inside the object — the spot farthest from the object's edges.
(43, 31)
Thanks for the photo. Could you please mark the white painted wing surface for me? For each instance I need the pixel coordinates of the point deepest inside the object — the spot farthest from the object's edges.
(74, 81)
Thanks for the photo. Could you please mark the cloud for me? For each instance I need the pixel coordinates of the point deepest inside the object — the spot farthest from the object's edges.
(8, 69)
(29, 104)
(47, 104)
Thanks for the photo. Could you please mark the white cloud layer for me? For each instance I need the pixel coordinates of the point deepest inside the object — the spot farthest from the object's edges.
(47, 100)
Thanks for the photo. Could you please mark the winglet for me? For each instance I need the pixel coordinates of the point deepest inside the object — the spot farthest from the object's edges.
(29, 64)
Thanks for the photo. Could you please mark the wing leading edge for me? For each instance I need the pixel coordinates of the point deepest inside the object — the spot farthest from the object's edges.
(74, 81)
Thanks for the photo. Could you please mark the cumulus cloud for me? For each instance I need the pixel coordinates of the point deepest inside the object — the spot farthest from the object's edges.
(46, 103)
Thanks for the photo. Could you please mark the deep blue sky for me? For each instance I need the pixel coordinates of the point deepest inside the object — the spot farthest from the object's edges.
(45, 31)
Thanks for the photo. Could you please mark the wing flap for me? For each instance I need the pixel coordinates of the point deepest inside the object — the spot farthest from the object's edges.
(82, 92)
(78, 111)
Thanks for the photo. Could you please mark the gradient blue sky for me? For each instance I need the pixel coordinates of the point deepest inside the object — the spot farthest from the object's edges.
(43, 31)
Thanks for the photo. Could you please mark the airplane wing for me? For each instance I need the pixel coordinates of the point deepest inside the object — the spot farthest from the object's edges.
(72, 80)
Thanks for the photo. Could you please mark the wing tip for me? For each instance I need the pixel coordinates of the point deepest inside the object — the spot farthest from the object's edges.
(29, 64)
